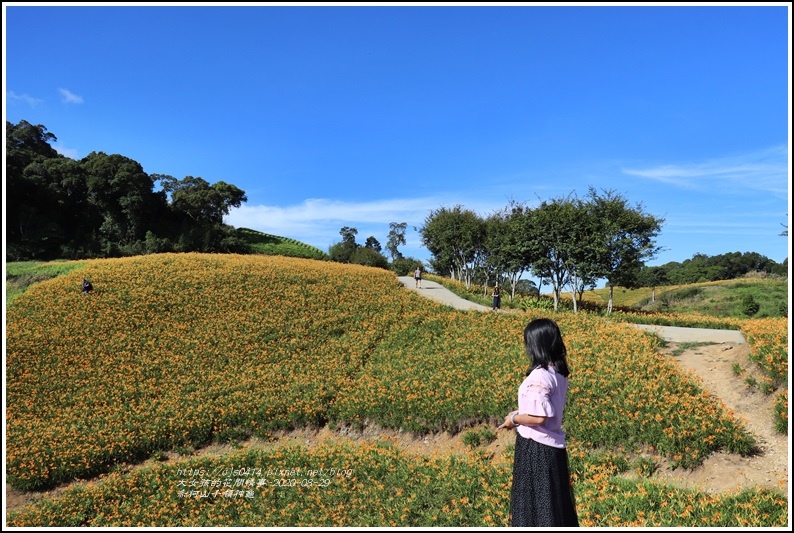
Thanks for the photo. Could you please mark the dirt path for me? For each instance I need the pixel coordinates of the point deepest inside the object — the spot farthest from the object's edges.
(713, 366)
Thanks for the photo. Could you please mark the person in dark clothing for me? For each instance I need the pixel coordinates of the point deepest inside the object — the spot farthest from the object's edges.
(87, 287)
(497, 298)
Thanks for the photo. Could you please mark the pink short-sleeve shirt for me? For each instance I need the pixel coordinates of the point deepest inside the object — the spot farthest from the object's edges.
(543, 393)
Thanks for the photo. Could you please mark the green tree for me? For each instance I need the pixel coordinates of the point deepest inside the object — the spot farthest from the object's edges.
(456, 238)
(200, 201)
(30, 201)
(396, 238)
(342, 252)
(652, 277)
(511, 243)
(556, 234)
(369, 256)
(72, 212)
(749, 306)
(405, 266)
(123, 195)
(372, 243)
(624, 237)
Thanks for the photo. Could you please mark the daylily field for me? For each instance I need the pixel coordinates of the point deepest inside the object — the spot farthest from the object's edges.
(176, 351)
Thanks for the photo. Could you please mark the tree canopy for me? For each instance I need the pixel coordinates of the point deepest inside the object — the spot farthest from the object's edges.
(105, 205)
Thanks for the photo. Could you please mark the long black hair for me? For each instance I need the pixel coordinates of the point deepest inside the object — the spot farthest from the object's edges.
(544, 345)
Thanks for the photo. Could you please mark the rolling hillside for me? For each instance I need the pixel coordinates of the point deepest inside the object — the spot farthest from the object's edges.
(264, 243)
(727, 298)
(176, 351)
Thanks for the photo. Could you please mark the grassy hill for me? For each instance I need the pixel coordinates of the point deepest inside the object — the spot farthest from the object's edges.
(728, 298)
(264, 243)
(176, 351)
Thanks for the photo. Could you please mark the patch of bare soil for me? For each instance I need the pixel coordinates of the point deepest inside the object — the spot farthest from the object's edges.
(712, 365)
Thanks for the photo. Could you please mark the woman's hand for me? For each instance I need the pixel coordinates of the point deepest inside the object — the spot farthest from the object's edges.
(508, 423)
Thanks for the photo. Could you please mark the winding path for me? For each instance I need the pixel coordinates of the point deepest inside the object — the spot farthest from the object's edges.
(712, 361)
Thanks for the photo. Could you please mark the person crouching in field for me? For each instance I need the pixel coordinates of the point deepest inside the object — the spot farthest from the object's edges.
(87, 287)
(541, 495)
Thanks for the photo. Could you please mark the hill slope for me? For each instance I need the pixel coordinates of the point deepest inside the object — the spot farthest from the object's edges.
(264, 243)
(727, 298)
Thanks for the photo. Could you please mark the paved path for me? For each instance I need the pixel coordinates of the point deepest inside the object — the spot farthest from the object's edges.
(678, 334)
(439, 293)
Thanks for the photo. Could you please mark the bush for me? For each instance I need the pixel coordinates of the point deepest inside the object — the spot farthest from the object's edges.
(533, 303)
(476, 437)
(369, 257)
(749, 306)
(405, 266)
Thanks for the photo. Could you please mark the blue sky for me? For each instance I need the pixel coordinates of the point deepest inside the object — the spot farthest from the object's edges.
(362, 115)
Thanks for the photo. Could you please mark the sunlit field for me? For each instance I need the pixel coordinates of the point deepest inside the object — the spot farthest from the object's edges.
(176, 351)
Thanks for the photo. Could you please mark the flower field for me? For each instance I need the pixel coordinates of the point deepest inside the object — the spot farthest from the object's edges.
(178, 350)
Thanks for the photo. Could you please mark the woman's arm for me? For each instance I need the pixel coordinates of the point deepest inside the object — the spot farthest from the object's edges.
(515, 418)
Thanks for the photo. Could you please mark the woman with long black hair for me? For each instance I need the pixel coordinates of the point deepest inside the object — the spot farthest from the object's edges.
(541, 495)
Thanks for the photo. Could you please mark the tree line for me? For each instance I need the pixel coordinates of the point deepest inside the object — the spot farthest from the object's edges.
(371, 252)
(569, 242)
(106, 205)
(701, 268)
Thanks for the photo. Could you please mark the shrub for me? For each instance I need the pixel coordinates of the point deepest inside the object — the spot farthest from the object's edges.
(749, 306)
(405, 266)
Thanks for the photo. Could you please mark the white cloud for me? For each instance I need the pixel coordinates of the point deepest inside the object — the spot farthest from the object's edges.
(764, 170)
(317, 221)
(69, 97)
(24, 98)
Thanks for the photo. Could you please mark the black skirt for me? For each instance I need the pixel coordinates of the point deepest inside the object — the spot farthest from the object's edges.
(542, 495)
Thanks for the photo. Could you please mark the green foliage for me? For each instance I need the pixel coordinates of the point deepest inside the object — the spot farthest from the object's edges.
(454, 237)
(749, 306)
(396, 239)
(369, 257)
(781, 413)
(21, 275)
(483, 435)
(105, 205)
(266, 244)
(702, 268)
(405, 266)
(534, 303)
(729, 298)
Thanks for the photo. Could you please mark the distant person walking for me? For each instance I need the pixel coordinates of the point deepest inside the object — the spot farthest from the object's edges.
(497, 298)
(418, 277)
(541, 495)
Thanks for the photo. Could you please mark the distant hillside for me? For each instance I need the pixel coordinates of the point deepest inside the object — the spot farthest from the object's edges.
(728, 298)
(264, 243)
